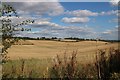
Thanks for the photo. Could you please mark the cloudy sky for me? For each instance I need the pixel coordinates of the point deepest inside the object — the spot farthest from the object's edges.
(69, 19)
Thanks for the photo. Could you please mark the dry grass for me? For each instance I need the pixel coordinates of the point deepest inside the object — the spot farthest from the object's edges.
(23, 42)
(48, 49)
(67, 67)
(25, 68)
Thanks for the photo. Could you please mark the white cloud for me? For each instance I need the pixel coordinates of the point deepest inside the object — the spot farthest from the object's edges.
(29, 0)
(16, 20)
(50, 29)
(115, 20)
(82, 13)
(82, 16)
(75, 20)
(44, 23)
(107, 32)
(56, 30)
(39, 8)
(117, 28)
(118, 13)
(87, 13)
(114, 2)
(112, 12)
(111, 34)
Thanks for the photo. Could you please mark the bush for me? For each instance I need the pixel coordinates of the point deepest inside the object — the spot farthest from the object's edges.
(107, 66)
(67, 68)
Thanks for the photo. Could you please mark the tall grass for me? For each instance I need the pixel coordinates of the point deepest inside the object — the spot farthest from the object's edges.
(26, 68)
(109, 65)
(106, 67)
(69, 68)
(66, 68)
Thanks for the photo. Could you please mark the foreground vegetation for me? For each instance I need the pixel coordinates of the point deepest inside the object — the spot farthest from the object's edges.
(106, 66)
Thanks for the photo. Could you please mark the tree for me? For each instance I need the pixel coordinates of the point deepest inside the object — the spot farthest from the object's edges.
(8, 29)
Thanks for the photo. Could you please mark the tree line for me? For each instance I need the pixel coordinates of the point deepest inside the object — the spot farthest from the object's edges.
(70, 38)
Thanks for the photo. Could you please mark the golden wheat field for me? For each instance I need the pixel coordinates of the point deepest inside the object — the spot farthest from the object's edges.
(42, 49)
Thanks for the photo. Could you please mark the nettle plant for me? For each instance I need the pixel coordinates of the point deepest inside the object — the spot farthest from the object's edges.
(9, 29)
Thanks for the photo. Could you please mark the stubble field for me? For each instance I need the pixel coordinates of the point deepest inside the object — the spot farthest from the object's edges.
(43, 49)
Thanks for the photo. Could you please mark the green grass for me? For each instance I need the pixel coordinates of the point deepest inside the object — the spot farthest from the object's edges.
(34, 68)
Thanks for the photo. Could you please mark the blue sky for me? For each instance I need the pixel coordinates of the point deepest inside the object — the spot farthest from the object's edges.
(69, 19)
(94, 7)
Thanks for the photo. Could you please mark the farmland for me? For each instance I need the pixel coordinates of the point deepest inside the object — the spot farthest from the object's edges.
(43, 49)
(47, 59)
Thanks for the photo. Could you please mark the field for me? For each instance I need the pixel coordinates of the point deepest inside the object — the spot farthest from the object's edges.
(43, 49)
(47, 59)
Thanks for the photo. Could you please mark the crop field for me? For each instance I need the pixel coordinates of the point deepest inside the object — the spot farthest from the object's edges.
(43, 49)
(50, 59)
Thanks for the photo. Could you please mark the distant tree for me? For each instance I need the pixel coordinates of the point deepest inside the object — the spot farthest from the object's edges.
(38, 38)
(42, 38)
(54, 38)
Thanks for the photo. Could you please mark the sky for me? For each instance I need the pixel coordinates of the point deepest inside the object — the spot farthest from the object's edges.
(69, 19)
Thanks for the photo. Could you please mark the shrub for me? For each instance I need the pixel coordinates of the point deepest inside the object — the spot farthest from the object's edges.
(107, 66)
(66, 68)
